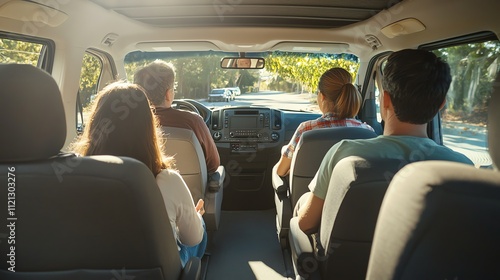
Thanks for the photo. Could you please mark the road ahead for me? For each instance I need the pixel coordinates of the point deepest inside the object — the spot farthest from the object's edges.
(271, 99)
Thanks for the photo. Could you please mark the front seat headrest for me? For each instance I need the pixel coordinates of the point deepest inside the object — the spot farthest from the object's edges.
(494, 123)
(32, 115)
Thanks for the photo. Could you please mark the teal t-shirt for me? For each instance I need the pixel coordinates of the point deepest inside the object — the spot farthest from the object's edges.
(406, 148)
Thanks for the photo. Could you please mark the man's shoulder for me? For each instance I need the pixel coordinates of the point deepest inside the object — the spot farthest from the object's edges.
(379, 140)
(179, 118)
(186, 114)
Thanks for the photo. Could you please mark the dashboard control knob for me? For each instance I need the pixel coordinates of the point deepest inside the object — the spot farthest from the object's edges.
(231, 134)
(217, 136)
(275, 136)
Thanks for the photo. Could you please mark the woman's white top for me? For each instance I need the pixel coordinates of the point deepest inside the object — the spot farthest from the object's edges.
(185, 221)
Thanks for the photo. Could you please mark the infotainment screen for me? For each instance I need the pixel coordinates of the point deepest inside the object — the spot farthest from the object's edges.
(244, 122)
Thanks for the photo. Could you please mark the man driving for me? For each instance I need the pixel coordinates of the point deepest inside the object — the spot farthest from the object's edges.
(157, 78)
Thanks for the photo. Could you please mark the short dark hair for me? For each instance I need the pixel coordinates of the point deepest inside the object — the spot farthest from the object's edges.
(417, 82)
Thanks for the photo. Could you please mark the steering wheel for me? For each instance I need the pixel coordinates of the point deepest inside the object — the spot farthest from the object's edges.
(184, 105)
(188, 106)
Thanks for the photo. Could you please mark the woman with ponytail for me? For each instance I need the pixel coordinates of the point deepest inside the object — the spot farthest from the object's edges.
(339, 101)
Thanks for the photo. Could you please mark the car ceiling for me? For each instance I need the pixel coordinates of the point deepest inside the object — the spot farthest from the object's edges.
(256, 13)
(251, 25)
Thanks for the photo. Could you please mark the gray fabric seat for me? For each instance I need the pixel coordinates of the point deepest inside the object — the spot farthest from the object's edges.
(309, 153)
(99, 217)
(342, 247)
(183, 145)
(439, 220)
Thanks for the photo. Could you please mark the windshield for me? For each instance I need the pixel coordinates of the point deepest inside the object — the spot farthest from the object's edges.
(288, 81)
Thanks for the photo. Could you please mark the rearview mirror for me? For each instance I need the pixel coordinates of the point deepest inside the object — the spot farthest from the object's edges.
(242, 63)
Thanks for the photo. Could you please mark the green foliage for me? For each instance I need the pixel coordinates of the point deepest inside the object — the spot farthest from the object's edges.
(89, 78)
(473, 69)
(196, 74)
(13, 51)
(247, 80)
(306, 69)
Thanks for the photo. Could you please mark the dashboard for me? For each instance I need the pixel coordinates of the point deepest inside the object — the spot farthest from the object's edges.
(249, 141)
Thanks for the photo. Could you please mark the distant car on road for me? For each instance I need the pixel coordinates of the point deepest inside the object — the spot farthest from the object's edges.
(219, 94)
(235, 90)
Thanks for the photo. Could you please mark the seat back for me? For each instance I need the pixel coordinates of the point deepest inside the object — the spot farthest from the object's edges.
(355, 193)
(312, 147)
(190, 162)
(183, 145)
(310, 150)
(439, 220)
(72, 217)
(103, 214)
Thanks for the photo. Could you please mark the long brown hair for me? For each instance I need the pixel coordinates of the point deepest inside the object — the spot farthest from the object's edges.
(122, 124)
(341, 96)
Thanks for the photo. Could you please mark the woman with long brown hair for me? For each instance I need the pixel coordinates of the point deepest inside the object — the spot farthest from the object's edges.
(339, 101)
(122, 124)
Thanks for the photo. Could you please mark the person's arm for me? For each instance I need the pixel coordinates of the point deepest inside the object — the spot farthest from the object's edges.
(284, 166)
(208, 146)
(189, 217)
(285, 161)
(310, 214)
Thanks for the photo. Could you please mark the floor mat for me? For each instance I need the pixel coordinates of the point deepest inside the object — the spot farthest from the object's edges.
(246, 247)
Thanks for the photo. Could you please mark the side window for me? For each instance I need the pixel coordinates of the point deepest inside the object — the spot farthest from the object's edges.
(474, 67)
(92, 67)
(378, 86)
(26, 50)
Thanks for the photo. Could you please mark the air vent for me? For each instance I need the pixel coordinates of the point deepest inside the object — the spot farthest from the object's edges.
(373, 41)
(276, 120)
(109, 39)
(215, 120)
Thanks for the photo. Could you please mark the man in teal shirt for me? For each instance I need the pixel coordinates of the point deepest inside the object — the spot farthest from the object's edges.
(415, 84)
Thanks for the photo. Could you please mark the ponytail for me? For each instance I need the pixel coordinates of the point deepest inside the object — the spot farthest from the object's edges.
(342, 97)
(348, 102)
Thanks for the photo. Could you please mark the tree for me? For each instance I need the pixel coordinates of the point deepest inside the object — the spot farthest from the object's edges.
(306, 69)
(13, 51)
(89, 78)
(473, 69)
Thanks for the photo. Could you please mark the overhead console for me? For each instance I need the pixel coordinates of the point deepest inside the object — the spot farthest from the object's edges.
(246, 124)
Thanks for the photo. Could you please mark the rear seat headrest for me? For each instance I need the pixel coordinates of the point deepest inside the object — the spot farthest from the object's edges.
(32, 115)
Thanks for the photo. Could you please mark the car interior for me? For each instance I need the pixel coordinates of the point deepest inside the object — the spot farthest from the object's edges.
(103, 217)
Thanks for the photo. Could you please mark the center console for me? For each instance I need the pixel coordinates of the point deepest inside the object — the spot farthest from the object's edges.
(249, 141)
(245, 127)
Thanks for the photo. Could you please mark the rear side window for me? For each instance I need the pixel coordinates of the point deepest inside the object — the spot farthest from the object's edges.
(98, 69)
(474, 67)
(26, 50)
(89, 80)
